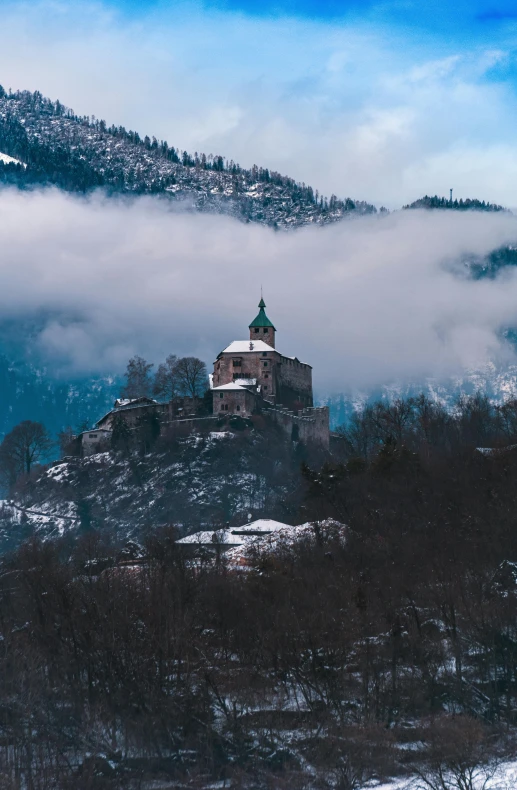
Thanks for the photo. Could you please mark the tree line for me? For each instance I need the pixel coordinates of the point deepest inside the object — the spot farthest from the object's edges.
(176, 377)
(469, 204)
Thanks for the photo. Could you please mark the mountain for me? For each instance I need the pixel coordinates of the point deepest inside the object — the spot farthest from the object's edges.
(53, 146)
(498, 382)
(28, 393)
(469, 204)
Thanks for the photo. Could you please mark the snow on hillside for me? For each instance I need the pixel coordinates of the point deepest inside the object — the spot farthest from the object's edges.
(10, 160)
(80, 154)
(499, 383)
(505, 778)
(196, 481)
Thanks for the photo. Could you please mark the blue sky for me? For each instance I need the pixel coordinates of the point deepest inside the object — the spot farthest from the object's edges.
(381, 101)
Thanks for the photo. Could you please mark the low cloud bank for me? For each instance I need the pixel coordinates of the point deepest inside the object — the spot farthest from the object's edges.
(365, 301)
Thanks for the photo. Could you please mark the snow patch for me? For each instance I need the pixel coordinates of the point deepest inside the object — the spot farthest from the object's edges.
(10, 160)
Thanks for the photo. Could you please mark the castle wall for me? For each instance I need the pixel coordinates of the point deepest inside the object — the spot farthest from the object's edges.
(293, 383)
(254, 365)
(133, 413)
(240, 402)
(308, 425)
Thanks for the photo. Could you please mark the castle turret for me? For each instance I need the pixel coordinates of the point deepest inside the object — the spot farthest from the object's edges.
(261, 327)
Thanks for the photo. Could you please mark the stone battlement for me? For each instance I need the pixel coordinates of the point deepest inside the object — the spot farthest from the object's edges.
(307, 425)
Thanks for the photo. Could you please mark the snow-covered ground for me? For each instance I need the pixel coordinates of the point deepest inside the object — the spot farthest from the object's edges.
(504, 779)
(10, 160)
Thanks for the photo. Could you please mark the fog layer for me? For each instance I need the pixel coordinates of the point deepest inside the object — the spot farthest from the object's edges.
(365, 301)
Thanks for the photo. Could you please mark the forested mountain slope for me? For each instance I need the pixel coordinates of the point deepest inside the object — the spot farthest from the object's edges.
(57, 147)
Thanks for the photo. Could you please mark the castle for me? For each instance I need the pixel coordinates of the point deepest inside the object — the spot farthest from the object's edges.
(250, 378)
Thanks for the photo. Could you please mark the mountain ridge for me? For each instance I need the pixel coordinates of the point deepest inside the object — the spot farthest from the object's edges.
(79, 153)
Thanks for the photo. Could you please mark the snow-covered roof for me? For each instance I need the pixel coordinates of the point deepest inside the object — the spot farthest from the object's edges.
(245, 382)
(262, 536)
(262, 525)
(229, 387)
(245, 346)
(280, 539)
(220, 537)
(121, 402)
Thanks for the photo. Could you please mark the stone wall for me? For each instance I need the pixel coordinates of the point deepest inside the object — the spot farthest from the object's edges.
(296, 375)
(254, 365)
(94, 441)
(266, 333)
(286, 380)
(308, 425)
(174, 409)
(240, 402)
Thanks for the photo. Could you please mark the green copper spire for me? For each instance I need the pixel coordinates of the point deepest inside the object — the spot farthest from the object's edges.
(261, 320)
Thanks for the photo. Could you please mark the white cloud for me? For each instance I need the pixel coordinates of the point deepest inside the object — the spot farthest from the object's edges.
(364, 301)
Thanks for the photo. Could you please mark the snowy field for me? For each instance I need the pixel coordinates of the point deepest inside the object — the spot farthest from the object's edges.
(505, 779)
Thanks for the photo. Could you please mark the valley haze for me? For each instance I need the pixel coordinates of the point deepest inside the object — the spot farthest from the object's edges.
(367, 300)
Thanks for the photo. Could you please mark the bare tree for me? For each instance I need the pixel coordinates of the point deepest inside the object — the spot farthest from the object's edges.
(138, 378)
(191, 376)
(27, 444)
(458, 756)
(166, 379)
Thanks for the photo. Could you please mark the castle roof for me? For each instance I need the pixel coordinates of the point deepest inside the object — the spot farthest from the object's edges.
(229, 387)
(261, 319)
(243, 346)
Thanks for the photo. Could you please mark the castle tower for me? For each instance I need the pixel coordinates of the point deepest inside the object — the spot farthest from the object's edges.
(261, 327)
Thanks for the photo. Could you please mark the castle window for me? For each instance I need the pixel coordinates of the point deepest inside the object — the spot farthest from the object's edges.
(266, 330)
(264, 353)
(265, 386)
(221, 395)
(265, 364)
(257, 330)
(238, 408)
(222, 406)
(266, 375)
(236, 363)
